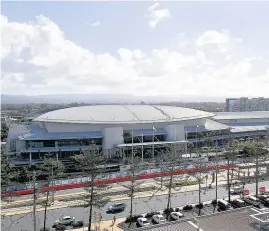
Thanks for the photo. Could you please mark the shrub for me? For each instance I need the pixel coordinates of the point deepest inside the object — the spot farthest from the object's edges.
(168, 211)
(199, 206)
(188, 207)
(133, 219)
(214, 202)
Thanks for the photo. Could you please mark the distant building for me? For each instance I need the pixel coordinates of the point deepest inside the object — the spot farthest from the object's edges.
(245, 104)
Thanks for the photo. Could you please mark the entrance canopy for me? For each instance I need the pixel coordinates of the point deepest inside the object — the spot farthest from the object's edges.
(150, 143)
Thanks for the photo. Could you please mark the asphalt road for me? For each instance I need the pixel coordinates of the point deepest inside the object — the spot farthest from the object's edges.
(25, 222)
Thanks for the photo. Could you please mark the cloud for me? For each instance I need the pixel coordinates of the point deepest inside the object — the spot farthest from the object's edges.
(96, 24)
(37, 58)
(156, 14)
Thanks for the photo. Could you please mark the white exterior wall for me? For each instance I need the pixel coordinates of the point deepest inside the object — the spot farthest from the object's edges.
(112, 136)
(175, 132)
(20, 144)
(15, 130)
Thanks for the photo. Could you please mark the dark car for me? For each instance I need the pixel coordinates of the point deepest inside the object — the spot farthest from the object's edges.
(264, 199)
(251, 200)
(118, 207)
(238, 203)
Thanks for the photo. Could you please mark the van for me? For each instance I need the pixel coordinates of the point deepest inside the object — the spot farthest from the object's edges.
(223, 205)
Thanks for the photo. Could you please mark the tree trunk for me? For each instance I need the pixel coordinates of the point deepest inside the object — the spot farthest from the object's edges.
(91, 201)
(45, 211)
(169, 192)
(199, 196)
(257, 173)
(228, 180)
(131, 209)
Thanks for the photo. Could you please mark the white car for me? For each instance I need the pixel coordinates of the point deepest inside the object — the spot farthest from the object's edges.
(143, 222)
(65, 220)
(176, 215)
(158, 219)
(237, 190)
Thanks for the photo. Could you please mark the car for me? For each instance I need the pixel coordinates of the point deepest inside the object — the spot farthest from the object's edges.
(237, 190)
(142, 221)
(65, 220)
(223, 205)
(118, 207)
(176, 215)
(78, 224)
(252, 200)
(158, 219)
(264, 199)
(238, 203)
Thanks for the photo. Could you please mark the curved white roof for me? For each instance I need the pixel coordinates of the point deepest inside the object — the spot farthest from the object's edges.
(110, 114)
(242, 115)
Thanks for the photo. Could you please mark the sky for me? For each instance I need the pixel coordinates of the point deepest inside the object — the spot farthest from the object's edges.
(215, 49)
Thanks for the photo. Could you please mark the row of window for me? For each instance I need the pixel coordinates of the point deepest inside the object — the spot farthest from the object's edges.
(61, 143)
(145, 139)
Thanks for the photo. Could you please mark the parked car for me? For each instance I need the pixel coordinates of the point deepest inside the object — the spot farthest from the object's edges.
(238, 203)
(176, 215)
(118, 207)
(78, 224)
(143, 222)
(65, 220)
(158, 219)
(237, 190)
(223, 205)
(252, 200)
(264, 199)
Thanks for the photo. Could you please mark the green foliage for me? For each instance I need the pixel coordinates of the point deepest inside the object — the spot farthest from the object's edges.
(4, 131)
(7, 171)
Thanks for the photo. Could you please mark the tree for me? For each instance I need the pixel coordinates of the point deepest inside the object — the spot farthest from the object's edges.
(190, 147)
(4, 131)
(54, 168)
(173, 155)
(8, 172)
(90, 162)
(136, 165)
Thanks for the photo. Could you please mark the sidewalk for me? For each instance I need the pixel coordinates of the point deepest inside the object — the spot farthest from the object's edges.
(105, 225)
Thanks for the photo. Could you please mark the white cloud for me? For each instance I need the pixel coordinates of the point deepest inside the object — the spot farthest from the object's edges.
(38, 59)
(96, 24)
(156, 14)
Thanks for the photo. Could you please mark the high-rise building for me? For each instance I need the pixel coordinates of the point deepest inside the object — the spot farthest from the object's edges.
(246, 104)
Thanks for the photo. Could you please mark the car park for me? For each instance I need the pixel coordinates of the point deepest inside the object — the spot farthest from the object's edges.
(142, 222)
(176, 215)
(158, 219)
(251, 200)
(238, 203)
(65, 220)
(118, 207)
(223, 205)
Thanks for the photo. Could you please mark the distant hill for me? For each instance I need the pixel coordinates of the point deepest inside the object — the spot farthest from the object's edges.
(101, 99)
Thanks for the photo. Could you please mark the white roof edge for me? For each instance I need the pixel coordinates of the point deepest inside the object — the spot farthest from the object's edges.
(125, 122)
